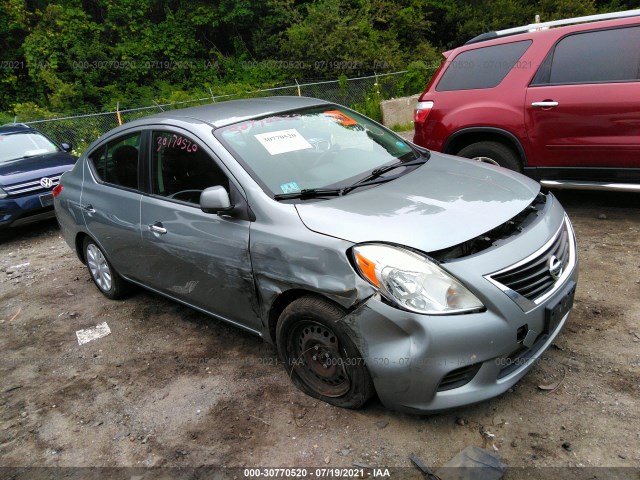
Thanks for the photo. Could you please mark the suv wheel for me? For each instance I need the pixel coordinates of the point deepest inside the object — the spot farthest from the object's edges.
(492, 152)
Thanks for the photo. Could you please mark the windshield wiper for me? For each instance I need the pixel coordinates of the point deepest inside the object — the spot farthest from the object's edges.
(370, 179)
(387, 168)
(310, 193)
(330, 192)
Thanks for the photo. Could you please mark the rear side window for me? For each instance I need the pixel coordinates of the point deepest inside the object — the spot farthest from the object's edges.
(594, 57)
(482, 67)
(117, 162)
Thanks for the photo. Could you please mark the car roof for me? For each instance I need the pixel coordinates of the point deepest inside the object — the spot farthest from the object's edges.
(16, 128)
(233, 111)
(553, 33)
(219, 115)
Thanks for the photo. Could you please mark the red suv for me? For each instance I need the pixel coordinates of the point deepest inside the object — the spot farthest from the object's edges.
(561, 105)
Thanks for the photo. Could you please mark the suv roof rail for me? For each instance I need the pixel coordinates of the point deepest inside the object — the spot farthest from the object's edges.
(554, 23)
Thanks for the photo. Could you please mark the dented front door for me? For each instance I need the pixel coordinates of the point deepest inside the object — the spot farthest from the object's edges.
(199, 258)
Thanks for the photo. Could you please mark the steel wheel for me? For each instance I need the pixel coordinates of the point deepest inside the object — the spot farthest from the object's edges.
(320, 363)
(319, 355)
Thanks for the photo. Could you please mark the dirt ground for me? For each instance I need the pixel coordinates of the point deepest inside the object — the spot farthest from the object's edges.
(143, 396)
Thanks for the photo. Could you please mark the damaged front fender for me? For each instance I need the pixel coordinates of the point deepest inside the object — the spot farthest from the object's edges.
(305, 261)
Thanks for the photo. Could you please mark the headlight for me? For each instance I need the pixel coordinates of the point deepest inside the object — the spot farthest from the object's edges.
(412, 281)
(3, 194)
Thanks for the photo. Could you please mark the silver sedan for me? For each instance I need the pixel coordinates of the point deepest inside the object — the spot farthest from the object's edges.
(376, 267)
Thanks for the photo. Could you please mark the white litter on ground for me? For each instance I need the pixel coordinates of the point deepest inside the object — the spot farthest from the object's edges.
(93, 333)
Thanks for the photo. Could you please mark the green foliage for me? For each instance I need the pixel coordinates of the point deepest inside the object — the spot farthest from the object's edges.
(418, 75)
(5, 118)
(402, 127)
(29, 111)
(76, 57)
(371, 105)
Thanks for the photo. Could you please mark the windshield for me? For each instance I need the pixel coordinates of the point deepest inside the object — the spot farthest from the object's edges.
(312, 148)
(19, 145)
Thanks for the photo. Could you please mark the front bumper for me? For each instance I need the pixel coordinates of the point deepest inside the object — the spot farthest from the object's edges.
(425, 364)
(15, 211)
(411, 358)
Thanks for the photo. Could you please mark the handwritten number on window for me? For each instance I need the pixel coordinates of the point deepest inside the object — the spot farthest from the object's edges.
(176, 142)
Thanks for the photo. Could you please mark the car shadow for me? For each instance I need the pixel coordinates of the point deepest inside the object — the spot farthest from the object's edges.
(34, 230)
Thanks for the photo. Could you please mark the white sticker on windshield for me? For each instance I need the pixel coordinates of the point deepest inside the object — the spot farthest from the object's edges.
(283, 141)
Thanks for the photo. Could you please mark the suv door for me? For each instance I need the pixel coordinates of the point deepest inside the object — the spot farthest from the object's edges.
(199, 258)
(110, 200)
(583, 106)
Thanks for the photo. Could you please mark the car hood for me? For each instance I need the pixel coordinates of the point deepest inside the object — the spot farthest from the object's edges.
(444, 202)
(31, 168)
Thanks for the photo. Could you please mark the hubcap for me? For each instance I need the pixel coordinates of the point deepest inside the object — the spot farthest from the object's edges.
(99, 268)
(318, 360)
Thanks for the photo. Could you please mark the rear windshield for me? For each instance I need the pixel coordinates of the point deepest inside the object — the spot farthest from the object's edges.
(482, 67)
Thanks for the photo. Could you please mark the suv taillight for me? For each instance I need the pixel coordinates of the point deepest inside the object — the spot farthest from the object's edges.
(422, 111)
(56, 190)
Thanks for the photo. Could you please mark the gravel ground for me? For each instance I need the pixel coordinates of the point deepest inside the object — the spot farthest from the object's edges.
(144, 396)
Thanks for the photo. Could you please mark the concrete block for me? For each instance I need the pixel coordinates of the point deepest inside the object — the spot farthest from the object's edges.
(398, 111)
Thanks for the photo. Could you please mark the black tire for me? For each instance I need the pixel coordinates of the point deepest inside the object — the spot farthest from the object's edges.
(495, 151)
(319, 355)
(102, 273)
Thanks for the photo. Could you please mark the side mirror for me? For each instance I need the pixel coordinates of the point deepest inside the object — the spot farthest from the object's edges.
(66, 147)
(215, 200)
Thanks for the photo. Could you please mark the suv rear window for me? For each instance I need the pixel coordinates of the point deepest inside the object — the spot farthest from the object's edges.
(593, 57)
(482, 67)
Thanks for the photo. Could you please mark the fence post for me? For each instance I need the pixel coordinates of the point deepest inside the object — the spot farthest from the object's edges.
(299, 94)
(118, 113)
(158, 105)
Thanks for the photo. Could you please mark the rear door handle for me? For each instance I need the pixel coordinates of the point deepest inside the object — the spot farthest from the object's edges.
(157, 228)
(89, 208)
(545, 104)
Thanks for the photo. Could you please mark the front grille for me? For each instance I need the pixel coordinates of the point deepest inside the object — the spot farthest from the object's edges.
(529, 281)
(33, 186)
(459, 377)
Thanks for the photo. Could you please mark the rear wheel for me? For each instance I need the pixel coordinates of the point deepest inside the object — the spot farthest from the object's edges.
(102, 273)
(319, 356)
(492, 152)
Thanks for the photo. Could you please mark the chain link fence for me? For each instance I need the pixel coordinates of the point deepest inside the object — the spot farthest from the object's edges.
(362, 94)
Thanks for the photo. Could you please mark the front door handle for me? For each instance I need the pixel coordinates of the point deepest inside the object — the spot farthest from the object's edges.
(157, 228)
(89, 208)
(545, 104)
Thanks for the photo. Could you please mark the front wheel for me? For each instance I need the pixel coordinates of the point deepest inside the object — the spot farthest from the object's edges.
(102, 273)
(319, 356)
(492, 152)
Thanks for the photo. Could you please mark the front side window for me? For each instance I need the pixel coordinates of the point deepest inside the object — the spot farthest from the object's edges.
(24, 145)
(181, 169)
(594, 57)
(483, 67)
(117, 161)
(313, 147)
